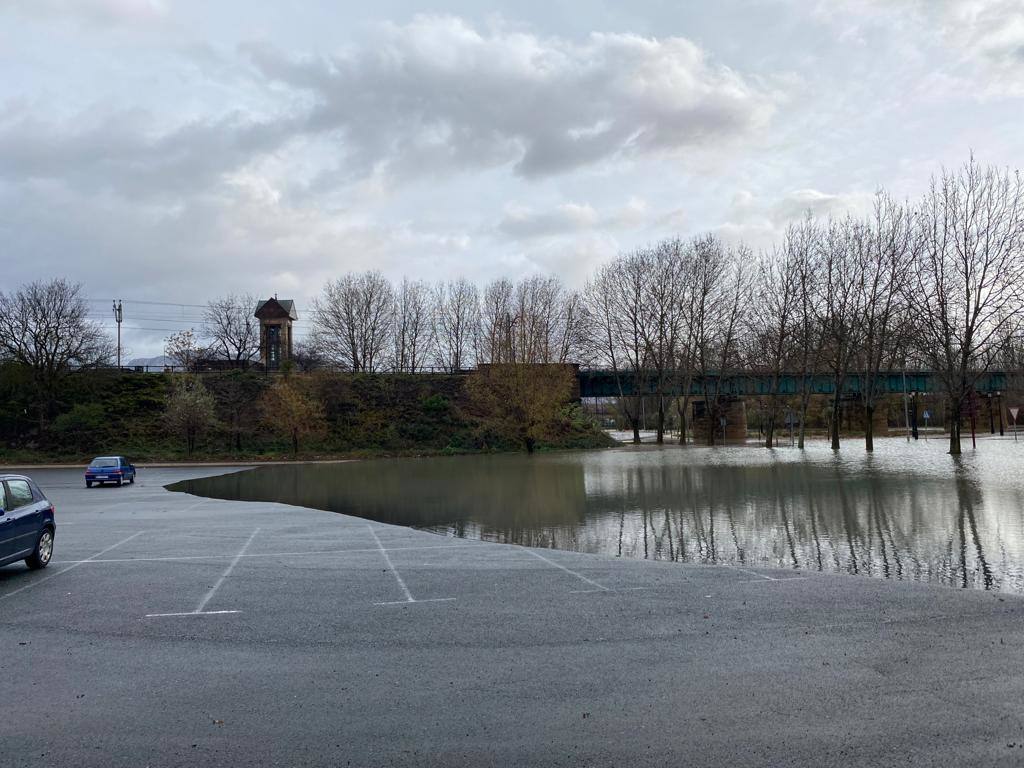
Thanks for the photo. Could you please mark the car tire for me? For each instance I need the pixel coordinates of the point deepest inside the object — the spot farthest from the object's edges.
(132, 480)
(88, 483)
(40, 557)
(118, 483)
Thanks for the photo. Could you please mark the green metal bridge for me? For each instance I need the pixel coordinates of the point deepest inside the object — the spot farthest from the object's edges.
(608, 383)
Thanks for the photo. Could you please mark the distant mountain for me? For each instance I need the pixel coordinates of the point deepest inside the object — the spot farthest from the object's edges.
(155, 363)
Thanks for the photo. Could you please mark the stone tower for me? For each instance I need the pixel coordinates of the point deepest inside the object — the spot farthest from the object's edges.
(276, 317)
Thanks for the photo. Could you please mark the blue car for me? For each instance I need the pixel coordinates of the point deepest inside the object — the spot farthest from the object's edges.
(109, 469)
(27, 526)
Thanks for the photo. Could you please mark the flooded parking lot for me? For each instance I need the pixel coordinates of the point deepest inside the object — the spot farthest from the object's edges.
(909, 511)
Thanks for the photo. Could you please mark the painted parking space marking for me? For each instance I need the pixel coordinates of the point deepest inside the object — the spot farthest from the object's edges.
(70, 567)
(213, 590)
(189, 613)
(398, 577)
(187, 558)
(559, 566)
(761, 576)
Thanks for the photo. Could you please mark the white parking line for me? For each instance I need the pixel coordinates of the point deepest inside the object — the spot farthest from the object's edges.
(761, 575)
(186, 558)
(213, 590)
(189, 613)
(398, 577)
(227, 572)
(571, 572)
(70, 567)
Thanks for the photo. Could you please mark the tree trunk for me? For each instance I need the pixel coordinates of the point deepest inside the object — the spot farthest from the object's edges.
(528, 441)
(681, 410)
(836, 413)
(295, 443)
(636, 429)
(769, 430)
(661, 420)
(805, 403)
(869, 428)
(954, 429)
(712, 416)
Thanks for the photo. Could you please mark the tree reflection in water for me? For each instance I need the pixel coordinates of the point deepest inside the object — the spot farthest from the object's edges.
(908, 512)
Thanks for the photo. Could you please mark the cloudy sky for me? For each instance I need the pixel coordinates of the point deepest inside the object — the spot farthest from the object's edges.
(175, 150)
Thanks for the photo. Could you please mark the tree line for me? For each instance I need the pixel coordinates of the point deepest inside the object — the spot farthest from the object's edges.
(935, 283)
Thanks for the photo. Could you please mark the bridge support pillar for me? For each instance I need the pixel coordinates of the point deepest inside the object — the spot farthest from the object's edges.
(729, 423)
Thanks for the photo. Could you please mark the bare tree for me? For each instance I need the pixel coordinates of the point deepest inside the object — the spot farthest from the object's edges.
(803, 248)
(494, 340)
(232, 328)
(662, 323)
(45, 327)
(773, 323)
(841, 303)
(456, 318)
(968, 276)
(536, 320)
(722, 292)
(887, 260)
(183, 350)
(414, 326)
(615, 306)
(353, 321)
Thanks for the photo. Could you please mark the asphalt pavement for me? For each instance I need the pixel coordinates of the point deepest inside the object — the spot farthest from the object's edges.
(171, 630)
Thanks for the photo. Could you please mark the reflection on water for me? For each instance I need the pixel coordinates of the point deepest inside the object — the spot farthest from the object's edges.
(907, 512)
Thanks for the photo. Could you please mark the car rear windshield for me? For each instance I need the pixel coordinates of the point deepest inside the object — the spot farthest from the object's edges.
(105, 463)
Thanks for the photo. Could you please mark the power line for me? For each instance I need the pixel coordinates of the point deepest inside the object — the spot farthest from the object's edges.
(155, 303)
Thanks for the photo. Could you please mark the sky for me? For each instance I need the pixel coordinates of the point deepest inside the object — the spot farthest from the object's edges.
(173, 151)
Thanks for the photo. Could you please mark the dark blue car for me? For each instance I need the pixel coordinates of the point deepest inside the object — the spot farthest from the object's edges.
(109, 469)
(27, 526)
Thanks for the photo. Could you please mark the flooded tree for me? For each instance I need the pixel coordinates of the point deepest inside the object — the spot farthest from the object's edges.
(773, 323)
(667, 267)
(968, 276)
(615, 302)
(721, 285)
(886, 254)
(840, 304)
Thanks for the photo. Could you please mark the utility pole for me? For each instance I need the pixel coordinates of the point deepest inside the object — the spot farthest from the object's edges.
(118, 316)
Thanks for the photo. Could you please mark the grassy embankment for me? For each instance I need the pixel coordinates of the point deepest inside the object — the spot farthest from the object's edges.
(364, 415)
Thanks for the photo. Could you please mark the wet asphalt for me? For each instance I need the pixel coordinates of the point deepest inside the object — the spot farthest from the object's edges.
(171, 630)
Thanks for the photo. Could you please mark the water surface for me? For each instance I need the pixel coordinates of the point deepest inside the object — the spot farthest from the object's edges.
(909, 511)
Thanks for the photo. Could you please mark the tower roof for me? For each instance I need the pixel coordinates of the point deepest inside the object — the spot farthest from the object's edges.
(274, 308)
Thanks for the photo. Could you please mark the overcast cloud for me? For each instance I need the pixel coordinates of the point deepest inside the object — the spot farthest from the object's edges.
(173, 152)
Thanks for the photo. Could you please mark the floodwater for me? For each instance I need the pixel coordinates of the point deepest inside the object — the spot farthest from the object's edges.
(909, 511)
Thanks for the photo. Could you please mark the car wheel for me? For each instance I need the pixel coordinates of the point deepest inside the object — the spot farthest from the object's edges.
(131, 481)
(40, 558)
(88, 483)
(118, 483)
